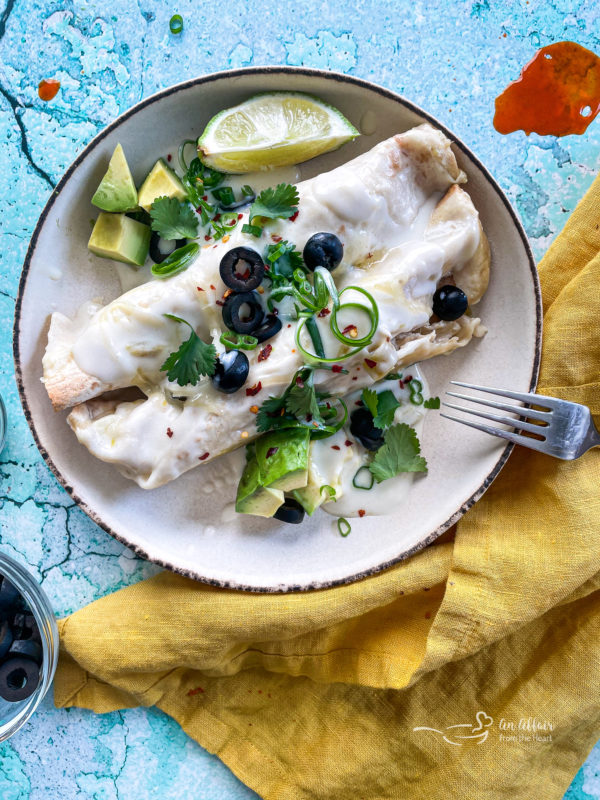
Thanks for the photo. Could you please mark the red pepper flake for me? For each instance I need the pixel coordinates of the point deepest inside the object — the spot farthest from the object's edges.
(324, 312)
(350, 330)
(204, 456)
(355, 378)
(359, 403)
(294, 217)
(169, 156)
(337, 368)
(408, 379)
(205, 197)
(300, 382)
(265, 353)
(335, 447)
(289, 324)
(271, 451)
(275, 238)
(240, 216)
(227, 293)
(370, 363)
(197, 690)
(253, 409)
(48, 89)
(401, 383)
(169, 433)
(207, 238)
(252, 390)
(214, 288)
(200, 289)
(348, 443)
(361, 512)
(217, 217)
(219, 302)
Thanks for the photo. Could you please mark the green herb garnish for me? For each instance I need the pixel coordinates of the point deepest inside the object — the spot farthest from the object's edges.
(280, 202)
(176, 261)
(252, 230)
(399, 453)
(193, 358)
(173, 219)
(382, 406)
(282, 259)
(432, 402)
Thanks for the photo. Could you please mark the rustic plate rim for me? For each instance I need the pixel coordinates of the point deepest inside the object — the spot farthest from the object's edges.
(198, 81)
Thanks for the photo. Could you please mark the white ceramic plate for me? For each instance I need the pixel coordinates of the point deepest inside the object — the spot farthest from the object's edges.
(179, 525)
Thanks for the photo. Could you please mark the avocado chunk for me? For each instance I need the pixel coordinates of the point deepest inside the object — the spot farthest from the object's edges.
(116, 191)
(324, 469)
(252, 498)
(160, 182)
(282, 458)
(121, 238)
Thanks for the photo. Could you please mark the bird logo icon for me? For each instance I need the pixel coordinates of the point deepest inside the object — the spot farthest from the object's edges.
(465, 732)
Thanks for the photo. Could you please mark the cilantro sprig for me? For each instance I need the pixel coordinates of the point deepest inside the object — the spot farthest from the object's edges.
(399, 453)
(173, 219)
(382, 406)
(280, 202)
(192, 359)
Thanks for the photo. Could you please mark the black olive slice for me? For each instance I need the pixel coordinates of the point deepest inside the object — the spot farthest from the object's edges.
(27, 648)
(10, 598)
(19, 678)
(268, 329)
(248, 322)
(231, 371)
(291, 511)
(156, 253)
(242, 269)
(6, 638)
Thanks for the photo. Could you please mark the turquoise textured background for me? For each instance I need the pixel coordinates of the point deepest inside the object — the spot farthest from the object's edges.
(449, 56)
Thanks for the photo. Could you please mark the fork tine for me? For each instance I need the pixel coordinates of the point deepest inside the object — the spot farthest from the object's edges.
(532, 444)
(539, 400)
(523, 412)
(514, 423)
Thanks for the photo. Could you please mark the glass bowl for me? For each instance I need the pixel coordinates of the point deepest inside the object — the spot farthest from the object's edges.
(2, 423)
(14, 715)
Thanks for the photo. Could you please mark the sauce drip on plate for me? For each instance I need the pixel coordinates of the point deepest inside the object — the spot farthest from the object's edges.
(48, 89)
(557, 93)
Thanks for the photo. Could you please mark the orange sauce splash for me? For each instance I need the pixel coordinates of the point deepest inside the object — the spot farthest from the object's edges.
(48, 89)
(557, 93)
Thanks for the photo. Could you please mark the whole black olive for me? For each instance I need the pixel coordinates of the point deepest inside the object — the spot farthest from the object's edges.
(361, 426)
(449, 302)
(323, 250)
(156, 254)
(231, 371)
(268, 329)
(250, 321)
(291, 511)
(242, 269)
(19, 678)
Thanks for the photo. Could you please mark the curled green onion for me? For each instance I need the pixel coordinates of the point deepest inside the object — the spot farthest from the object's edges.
(373, 314)
(344, 526)
(368, 479)
(325, 285)
(176, 23)
(181, 153)
(313, 330)
(330, 491)
(176, 261)
(238, 341)
(313, 358)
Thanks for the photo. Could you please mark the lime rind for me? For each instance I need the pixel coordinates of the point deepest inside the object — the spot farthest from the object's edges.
(285, 128)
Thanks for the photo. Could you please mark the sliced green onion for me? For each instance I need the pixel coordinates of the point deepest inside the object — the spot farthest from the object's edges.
(181, 153)
(417, 399)
(253, 230)
(247, 191)
(344, 526)
(176, 261)
(393, 376)
(313, 330)
(239, 341)
(224, 195)
(176, 23)
(366, 482)
(331, 493)
(415, 385)
(416, 388)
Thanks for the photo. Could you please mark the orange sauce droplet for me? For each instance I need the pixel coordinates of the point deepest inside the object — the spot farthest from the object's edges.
(557, 93)
(48, 89)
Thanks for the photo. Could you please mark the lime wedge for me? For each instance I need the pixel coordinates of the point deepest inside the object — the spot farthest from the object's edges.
(274, 129)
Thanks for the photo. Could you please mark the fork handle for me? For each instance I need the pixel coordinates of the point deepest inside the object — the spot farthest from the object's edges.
(592, 438)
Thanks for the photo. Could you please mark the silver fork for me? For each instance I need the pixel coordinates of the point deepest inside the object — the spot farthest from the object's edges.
(566, 429)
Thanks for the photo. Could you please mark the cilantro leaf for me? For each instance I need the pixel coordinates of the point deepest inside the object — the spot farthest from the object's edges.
(193, 358)
(369, 398)
(302, 402)
(275, 203)
(269, 413)
(432, 402)
(382, 406)
(399, 453)
(173, 219)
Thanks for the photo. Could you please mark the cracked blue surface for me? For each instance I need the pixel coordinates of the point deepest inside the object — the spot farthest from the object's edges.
(449, 56)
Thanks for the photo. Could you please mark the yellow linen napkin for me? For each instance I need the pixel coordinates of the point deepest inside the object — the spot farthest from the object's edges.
(469, 671)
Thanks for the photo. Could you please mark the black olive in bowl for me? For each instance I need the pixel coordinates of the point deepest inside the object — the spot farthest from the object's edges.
(231, 371)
